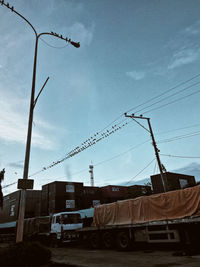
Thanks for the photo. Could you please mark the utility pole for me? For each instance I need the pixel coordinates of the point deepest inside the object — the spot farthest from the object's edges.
(132, 116)
(33, 100)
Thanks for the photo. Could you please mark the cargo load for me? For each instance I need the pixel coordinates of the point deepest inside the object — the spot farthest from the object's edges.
(165, 206)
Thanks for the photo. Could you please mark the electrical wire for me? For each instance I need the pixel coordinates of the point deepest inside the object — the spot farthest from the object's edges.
(140, 171)
(163, 99)
(175, 138)
(57, 47)
(174, 101)
(5, 186)
(94, 139)
(165, 92)
(183, 157)
(86, 144)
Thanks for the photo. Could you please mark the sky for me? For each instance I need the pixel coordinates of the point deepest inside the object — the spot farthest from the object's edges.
(135, 56)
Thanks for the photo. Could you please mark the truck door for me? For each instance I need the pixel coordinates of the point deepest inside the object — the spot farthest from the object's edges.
(56, 226)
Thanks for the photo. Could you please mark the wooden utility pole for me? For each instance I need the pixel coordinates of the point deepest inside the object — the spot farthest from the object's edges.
(154, 145)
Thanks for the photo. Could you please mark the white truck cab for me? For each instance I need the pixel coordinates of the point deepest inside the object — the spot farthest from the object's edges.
(65, 224)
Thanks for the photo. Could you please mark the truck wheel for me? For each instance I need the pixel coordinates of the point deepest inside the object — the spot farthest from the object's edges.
(94, 240)
(107, 240)
(123, 241)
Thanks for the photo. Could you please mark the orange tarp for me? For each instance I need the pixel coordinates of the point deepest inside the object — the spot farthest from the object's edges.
(171, 205)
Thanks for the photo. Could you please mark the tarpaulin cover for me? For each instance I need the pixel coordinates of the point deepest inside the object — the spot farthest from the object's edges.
(170, 205)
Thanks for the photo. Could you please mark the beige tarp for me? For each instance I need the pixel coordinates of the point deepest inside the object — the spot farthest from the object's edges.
(171, 205)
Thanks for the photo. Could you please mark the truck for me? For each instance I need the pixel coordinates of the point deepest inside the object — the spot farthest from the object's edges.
(171, 217)
(55, 229)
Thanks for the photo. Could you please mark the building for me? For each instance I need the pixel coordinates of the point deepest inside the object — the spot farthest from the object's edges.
(11, 202)
(173, 181)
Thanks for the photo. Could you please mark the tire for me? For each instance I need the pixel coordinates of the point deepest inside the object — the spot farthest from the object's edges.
(107, 240)
(94, 241)
(123, 241)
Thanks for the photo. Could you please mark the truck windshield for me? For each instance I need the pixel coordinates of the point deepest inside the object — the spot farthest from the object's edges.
(71, 218)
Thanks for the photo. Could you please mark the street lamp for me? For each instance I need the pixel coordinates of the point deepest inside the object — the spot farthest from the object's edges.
(20, 225)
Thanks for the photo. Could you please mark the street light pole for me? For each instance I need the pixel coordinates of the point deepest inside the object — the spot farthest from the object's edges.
(154, 145)
(20, 223)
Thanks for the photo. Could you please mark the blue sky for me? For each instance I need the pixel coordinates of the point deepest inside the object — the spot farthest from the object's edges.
(131, 51)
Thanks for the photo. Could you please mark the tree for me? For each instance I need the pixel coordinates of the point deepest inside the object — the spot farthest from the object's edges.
(1, 193)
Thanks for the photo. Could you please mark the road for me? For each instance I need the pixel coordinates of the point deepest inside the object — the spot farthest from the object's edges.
(111, 258)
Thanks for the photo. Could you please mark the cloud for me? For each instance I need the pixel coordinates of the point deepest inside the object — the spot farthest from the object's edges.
(190, 169)
(79, 32)
(193, 29)
(13, 123)
(184, 57)
(136, 75)
(17, 165)
(185, 48)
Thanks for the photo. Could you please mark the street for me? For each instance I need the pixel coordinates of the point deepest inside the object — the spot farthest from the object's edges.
(97, 258)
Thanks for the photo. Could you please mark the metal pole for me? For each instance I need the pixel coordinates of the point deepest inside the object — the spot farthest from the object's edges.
(20, 224)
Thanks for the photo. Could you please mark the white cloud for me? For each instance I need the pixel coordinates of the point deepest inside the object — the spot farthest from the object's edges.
(184, 57)
(136, 75)
(13, 123)
(185, 48)
(193, 29)
(79, 32)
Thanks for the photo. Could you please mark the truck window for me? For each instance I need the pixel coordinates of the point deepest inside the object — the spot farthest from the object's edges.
(57, 219)
(71, 218)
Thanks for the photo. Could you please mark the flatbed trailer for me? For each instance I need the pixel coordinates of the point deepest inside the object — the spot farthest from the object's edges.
(183, 231)
(172, 217)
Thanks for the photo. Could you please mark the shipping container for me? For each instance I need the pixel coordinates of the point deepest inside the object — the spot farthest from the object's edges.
(173, 181)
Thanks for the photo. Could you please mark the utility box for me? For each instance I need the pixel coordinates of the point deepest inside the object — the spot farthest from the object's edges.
(173, 181)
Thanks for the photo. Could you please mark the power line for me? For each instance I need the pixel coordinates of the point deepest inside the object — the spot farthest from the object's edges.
(163, 99)
(57, 47)
(165, 92)
(94, 139)
(134, 147)
(176, 100)
(182, 128)
(179, 137)
(86, 144)
(183, 157)
(5, 186)
(141, 171)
